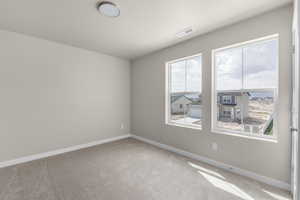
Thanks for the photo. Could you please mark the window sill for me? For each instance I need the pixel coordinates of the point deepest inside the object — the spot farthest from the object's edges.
(196, 127)
(266, 139)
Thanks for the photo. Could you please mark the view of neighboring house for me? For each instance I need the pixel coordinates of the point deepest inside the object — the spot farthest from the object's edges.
(233, 106)
(235, 109)
(230, 105)
(250, 111)
(179, 104)
(188, 104)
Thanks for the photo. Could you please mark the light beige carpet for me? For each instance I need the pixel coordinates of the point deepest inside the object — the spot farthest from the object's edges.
(129, 170)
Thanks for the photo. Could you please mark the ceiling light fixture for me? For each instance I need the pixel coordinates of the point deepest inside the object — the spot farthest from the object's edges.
(185, 32)
(108, 9)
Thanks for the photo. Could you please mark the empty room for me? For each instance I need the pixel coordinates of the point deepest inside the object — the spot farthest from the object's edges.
(149, 100)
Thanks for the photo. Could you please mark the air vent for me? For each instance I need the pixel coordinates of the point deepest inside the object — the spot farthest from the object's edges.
(185, 32)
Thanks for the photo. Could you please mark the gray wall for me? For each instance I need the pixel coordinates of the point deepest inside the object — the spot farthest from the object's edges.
(148, 97)
(54, 96)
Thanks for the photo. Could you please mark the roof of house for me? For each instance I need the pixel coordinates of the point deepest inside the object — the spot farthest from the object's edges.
(196, 98)
(233, 93)
(193, 97)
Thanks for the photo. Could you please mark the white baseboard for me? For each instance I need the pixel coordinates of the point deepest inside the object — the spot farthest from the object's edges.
(59, 151)
(246, 173)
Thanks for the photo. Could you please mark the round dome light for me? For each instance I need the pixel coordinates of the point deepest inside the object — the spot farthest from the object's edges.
(108, 9)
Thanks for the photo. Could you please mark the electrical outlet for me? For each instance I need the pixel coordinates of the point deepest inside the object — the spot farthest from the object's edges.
(122, 126)
(214, 146)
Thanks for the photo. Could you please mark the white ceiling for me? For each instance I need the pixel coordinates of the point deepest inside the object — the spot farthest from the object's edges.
(144, 25)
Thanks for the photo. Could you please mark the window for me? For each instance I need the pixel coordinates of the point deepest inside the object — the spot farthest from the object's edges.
(184, 92)
(226, 99)
(245, 81)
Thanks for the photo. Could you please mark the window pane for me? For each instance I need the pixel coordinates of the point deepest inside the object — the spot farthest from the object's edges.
(194, 74)
(249, 112)
(229, 69)
(178, 81)
(261, 65)
(260, 112)
(186, 108)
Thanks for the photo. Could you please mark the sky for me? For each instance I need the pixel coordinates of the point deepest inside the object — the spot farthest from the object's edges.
(186, 75)
(250, 67)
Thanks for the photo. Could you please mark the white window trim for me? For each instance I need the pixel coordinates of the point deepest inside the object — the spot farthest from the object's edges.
(167, 93)
(214, 128)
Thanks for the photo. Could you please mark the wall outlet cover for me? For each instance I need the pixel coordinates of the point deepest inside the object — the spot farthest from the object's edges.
(214, 146)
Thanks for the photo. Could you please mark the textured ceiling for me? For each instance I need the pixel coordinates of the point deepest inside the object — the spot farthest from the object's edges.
(144, 25)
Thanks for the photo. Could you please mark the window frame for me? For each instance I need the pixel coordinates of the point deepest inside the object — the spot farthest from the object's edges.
(214, 128)
(168, 64)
